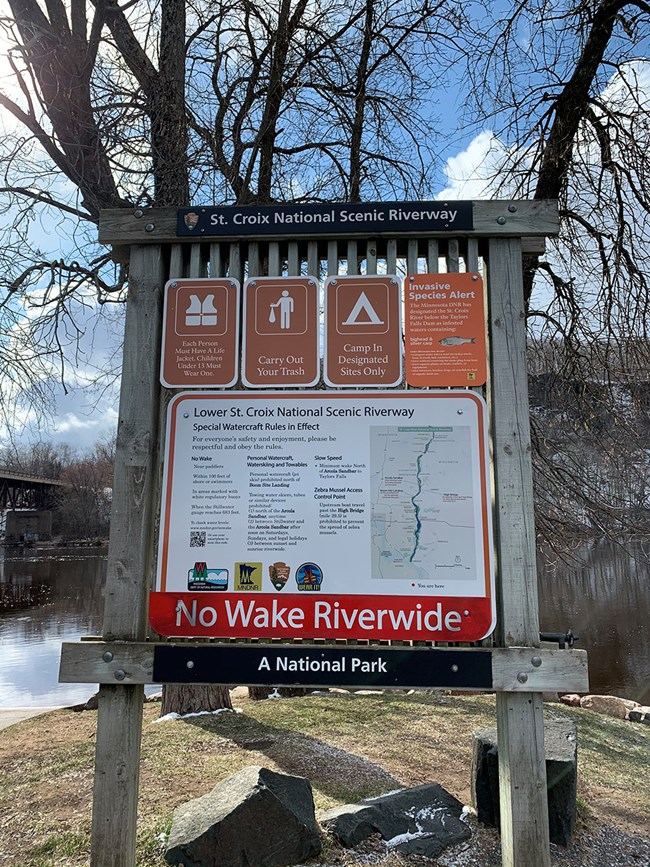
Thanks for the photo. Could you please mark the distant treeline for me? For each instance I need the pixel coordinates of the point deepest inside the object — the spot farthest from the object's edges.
(590, 420)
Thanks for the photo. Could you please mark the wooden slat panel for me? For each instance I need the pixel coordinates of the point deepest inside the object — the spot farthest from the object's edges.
(432, 257)
(552, 670)
(176, 262)
(196, 265)
(453, 256)
(332, 259)
(253, 259)
(472, 254)
(274, 259)
(217, 268)
(391, 256)
(520, 722)
(535, 218)
(371, 257)
(293, 259)
(353, 258)
(313, 262)
(412, 256)
(235, 268)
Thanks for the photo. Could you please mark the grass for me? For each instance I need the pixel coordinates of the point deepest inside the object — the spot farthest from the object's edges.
(349, 747)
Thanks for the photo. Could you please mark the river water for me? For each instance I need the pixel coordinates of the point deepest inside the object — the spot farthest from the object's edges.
(47, 597)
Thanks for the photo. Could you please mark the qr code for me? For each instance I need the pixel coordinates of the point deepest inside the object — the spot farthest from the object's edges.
(197, 539)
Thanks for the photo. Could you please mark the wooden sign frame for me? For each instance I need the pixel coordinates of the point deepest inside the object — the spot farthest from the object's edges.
(501, 231)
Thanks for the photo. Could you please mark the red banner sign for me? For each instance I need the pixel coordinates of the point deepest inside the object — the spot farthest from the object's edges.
(264, 615)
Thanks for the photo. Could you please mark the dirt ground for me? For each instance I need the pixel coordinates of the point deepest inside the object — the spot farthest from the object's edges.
(349, 746)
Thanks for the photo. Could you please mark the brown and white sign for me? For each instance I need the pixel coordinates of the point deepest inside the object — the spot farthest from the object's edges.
(363, 331)
(200, 330)
(445, 342)
(280, 332)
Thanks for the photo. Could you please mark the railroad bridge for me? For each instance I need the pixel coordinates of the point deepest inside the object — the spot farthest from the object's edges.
(25, 504)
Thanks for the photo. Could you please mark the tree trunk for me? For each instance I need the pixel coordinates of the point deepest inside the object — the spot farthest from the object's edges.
(185, 698)
(361, 89)
(259, 693)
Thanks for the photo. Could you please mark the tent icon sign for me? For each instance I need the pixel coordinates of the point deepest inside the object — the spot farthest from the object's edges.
(201, 312)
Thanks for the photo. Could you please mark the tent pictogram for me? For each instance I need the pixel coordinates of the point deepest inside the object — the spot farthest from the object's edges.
(363, 313)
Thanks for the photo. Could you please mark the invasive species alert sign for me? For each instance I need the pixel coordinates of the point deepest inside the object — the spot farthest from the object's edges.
(444, 330)
(322, 514)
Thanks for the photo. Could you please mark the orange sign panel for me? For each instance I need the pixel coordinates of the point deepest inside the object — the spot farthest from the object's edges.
(201, 324)
(281, 332)
(444, 330)
(363, 331)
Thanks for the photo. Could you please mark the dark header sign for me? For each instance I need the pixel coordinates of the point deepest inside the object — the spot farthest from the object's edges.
(322, 666)
(365, 218)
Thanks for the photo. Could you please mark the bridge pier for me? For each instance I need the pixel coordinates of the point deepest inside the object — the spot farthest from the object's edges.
(27, 525)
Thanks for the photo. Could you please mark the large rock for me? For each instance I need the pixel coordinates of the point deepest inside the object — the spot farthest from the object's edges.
(609, 705)
(256, 818)
(560, 744)
(572, 699)
(419, 821)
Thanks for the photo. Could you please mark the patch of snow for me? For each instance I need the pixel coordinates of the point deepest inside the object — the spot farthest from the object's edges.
(174, 716)
(274, 694)
(404, 838)
(384, 795)
(465, 812)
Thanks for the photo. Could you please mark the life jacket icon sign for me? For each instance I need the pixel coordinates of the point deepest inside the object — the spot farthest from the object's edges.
(200, 333)
(201, 312)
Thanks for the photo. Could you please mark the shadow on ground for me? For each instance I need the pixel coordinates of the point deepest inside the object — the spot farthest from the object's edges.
(331, 770)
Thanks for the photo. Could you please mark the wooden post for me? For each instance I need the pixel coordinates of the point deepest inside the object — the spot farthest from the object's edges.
(520, 723)
(119, 721)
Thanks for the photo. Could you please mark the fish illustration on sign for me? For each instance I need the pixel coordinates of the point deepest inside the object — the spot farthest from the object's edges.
(456, 341)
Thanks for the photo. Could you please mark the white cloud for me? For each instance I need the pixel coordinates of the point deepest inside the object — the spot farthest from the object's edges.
(470, 174)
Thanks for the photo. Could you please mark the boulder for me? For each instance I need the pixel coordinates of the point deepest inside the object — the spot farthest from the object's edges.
(420, 821)
(609, 705)
(256, 818)
(560, 744)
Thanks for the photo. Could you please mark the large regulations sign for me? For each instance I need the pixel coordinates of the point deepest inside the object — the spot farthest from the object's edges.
(319, 514)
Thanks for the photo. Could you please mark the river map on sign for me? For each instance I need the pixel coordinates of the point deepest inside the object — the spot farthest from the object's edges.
(422, 504)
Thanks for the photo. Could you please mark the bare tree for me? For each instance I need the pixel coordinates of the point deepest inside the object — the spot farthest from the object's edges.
(123, 104)
(131, 104)
(566, 88)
